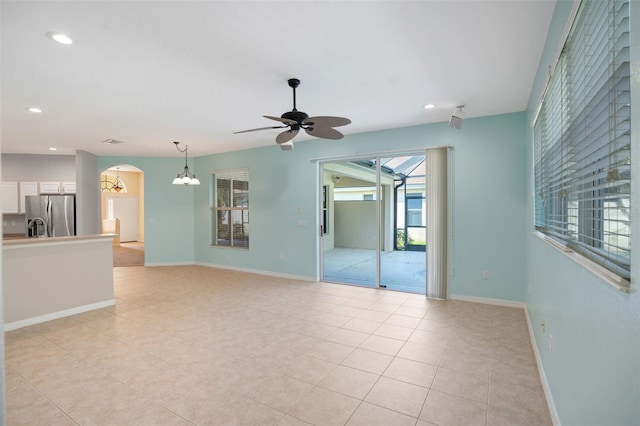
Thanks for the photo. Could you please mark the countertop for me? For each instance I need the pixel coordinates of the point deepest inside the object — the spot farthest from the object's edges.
(15, 242)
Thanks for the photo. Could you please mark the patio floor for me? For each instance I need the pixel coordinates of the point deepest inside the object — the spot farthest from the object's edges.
(400, 270)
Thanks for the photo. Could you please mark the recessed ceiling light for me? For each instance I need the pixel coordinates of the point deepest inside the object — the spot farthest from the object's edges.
(60, 38)
(429, 106)
(34, 110)
(53, 148)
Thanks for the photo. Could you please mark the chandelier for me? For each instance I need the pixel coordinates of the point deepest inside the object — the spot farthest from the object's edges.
(186, 177)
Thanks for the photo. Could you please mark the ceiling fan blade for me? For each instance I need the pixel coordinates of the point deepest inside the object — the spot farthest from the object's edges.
(324, 133)
(327, 121)
(286, 136)
(259, 128)
(280, 119)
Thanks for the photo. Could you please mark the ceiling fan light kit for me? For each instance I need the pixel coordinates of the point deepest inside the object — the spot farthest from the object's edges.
(320, 126)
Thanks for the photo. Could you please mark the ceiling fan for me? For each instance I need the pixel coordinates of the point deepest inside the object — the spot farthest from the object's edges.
(294, 120)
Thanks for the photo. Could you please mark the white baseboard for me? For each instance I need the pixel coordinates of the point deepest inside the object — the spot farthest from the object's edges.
(56, 315)
(258, 271)
(488, 301)
(543, 377)
(169, 264)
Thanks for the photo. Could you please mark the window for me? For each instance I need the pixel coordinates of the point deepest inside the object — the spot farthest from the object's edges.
(582, 140)
(414, 210)
(230, 205)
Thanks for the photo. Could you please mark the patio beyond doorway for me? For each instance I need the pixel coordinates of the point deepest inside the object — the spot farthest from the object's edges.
(400, 270)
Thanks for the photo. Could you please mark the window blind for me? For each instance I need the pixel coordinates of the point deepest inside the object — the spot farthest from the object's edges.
(582, 139)
(231, 208)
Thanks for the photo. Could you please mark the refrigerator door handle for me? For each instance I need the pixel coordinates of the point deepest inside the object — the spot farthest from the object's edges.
(49, 225)
(66, 216)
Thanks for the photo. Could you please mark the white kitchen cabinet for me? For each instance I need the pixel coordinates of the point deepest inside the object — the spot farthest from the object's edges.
(68, 187)
(49, 187)
(26, 189)
(10, 197)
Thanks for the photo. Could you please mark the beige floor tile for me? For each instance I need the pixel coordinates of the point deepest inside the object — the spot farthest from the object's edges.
(372, 415)
(347, 337)
(381, 344)
(41, 412)
(330, 351)
(422, 353)
(431, 338)
(365, 360)
(462, 384)
(197, 345)
(516, 371)
(476, 363)
(403, 321)
(517, 397)
(324, 407)
(448, 410)
(498, 416)
(361, 325)
(393, 331)
(398, 396)
(349, 381)
(413, 372)
(309, 369)
(376, 316)
(412, 311)
(280, 392)
(383, 307)
(288, 420)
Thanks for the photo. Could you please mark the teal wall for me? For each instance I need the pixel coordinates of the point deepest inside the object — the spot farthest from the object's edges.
(594, 366)
(488, 203)
(169, 218)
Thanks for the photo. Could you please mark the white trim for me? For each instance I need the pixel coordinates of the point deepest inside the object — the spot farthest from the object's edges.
(604, 274)
(543, 377)
(488, 301)
(258, 271)
(367, 155)
(168, 264)
(56, 315)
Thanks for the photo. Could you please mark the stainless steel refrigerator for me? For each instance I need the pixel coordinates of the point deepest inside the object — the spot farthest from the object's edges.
(50, 215)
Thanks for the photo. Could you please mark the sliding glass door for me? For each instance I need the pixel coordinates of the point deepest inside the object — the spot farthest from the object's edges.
(373, 222)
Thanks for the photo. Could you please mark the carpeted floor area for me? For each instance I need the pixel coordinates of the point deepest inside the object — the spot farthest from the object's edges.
(128, 254)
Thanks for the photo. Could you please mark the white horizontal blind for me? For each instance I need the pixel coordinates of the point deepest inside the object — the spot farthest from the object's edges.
(582, 139)
(231, 208)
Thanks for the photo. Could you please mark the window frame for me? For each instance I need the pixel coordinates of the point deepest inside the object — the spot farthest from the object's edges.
(232, 176)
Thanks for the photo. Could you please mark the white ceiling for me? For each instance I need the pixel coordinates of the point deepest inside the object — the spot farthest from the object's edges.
(151, 72)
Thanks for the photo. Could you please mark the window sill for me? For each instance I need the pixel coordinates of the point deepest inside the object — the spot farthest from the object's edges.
(607, 276)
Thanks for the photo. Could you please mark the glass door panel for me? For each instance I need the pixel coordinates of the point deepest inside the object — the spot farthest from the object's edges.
(349, 228)
(402, 252)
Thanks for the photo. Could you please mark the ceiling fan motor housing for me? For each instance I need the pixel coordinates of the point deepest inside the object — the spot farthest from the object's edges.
(297, 116)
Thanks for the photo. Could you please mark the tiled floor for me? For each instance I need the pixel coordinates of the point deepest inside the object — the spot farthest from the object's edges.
(193, 345)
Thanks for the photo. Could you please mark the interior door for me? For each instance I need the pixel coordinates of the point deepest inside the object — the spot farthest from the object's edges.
(124, 208)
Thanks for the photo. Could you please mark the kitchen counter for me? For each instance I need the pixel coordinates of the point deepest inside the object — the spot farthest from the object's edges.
(49, 278)
(13, 240)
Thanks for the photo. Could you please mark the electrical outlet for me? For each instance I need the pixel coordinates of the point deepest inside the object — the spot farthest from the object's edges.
(543, 324)
(486, 275)
(550, 343)
(281, 256)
